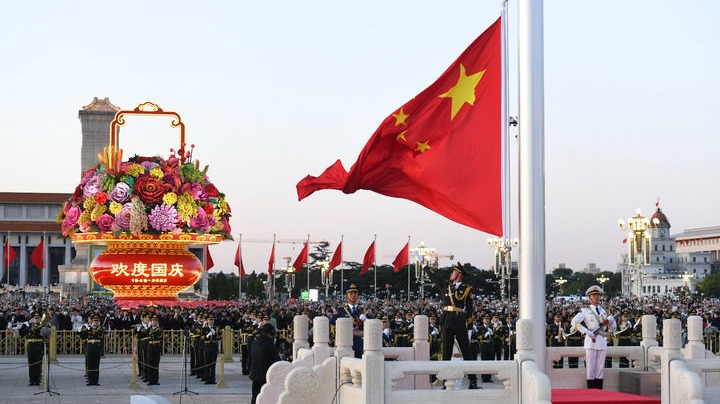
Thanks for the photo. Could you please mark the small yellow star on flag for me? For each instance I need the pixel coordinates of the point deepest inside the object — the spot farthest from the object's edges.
(463, 91)
(422, 147)
(401, 136)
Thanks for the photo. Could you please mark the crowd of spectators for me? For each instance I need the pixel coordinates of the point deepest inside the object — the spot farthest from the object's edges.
(66, 313)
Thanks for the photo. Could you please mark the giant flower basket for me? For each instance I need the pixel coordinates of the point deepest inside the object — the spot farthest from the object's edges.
(147, 211)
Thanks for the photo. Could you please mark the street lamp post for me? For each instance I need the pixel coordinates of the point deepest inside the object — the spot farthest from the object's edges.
(423, 256)
(289, 277)
(326, 279)
(686, 277)
(602, 279)
(639, 242)
(560, 283)
(503, 260)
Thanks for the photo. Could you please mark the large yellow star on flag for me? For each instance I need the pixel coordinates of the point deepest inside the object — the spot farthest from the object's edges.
(400, 117)
(463, 91)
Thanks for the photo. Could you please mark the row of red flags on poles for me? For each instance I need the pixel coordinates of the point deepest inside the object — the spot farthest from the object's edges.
(368, 259)
(37, 257)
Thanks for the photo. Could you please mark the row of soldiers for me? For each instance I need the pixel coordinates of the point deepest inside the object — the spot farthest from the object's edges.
(560, 333)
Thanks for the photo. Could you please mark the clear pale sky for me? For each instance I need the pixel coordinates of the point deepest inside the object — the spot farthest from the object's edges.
(273, 91)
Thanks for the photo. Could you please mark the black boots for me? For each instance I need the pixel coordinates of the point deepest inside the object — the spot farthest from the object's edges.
(595, 384)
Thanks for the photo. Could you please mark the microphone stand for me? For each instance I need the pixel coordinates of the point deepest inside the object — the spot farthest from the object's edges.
(185, 377)
(46, 346)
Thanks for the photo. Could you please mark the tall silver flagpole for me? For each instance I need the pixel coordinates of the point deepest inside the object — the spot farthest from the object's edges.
(239, 267)
(307, 263)
(532, 170)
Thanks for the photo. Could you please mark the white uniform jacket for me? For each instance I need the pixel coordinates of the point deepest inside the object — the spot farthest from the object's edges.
(588, 321)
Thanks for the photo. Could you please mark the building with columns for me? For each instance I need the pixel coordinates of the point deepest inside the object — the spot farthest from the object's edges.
(26, 218)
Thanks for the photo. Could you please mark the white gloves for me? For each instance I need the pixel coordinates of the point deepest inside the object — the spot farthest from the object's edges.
(363, 317)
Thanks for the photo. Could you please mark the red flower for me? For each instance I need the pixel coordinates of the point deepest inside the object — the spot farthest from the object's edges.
(211, 191)
(149, 189)
(208, 208)
(101, 198)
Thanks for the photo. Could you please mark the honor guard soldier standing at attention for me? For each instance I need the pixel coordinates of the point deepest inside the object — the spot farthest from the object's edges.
(353, 310)
(596, 324)
(33, 331)
(93, 349)
(485, 336)
(155, 336)
(556, 337)
(624, 337)
(457, 315)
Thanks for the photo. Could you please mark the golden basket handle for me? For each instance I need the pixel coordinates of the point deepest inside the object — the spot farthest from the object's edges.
(146, 108)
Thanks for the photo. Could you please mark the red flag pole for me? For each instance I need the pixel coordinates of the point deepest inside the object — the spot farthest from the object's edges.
(307, 263)
(375, 265)
(240, 269)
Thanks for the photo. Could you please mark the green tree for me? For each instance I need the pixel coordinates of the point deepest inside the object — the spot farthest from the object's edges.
(710, 286)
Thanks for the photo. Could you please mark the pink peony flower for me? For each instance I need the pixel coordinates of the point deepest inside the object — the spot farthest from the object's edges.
(105, 222)
(202, 221)
(122, 219)
(93, 186)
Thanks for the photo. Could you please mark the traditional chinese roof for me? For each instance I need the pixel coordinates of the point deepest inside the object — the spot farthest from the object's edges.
(100, 105)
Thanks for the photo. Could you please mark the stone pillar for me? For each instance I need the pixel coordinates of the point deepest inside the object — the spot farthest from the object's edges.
(321, 339)
(695, 347)
(524, 341)
(649, 337)
(373, 385)
(300, 333)
(672, 342)
(343, 338)
(422, 349)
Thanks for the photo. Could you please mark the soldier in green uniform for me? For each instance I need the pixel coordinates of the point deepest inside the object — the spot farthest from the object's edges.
(194, 329)
(210, 336)
(155, 337)
(249, 330)
(485, 339)
(33, 333)
(556, 336)
(457, 315)
(624, 337)
(93, 350)
(498, 337)
(141, 334)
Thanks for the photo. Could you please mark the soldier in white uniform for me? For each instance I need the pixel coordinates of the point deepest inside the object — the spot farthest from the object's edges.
(596, 324)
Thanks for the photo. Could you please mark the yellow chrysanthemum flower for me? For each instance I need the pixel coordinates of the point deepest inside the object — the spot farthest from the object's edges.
(170, 198)
(186, 207)
(157, 173)
(115, 207)
(221, 207)
(135, 170)
(89, 203)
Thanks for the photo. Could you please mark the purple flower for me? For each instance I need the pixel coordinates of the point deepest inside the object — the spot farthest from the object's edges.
(163, 217)
(122, 219)
(121, 192)
(148, 165)
(202, 222)
(93, 186)
(105, 222)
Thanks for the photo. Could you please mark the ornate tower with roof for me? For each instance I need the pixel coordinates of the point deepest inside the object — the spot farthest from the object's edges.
(95, 119)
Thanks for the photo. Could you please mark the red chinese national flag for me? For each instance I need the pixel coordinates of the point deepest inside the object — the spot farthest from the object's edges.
(442, 148)
(239, 262)
(369, 258)
(402, 258)
(208, 258)
(271, 261)
(9, 255)
(301, 259)
(336, 259)
(38, 255)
